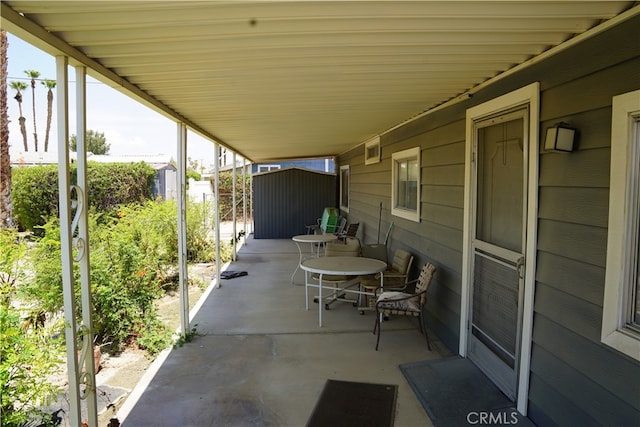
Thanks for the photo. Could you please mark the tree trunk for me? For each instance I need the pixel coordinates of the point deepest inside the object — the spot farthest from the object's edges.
(33, 100)
(6, 208)
(49, 114)
(23, 131)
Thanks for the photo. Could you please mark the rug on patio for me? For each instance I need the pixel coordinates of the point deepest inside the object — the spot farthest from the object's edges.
(229, 274)
(346, 403)
(454, 392)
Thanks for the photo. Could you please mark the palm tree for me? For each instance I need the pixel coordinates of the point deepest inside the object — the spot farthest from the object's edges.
(6, 208)
(33, 74)
(49, 84)
(19, 87)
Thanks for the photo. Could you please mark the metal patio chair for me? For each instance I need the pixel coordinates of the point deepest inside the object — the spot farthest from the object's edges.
(394, 278)
(406, 304)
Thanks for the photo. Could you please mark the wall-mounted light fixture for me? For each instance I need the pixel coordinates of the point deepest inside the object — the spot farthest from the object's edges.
(560, 137)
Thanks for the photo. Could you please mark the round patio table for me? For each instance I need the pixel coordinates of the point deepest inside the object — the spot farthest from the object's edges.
(338, 265)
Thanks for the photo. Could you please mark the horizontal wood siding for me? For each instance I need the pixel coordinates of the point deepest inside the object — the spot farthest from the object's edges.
(438, 236)
(588, 206)
(576, 278)
(599, 383)
(575, 379)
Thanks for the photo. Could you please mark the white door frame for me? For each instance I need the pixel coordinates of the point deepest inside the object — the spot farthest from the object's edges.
(527, 95)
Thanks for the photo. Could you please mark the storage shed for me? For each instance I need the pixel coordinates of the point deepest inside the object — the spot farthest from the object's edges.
(287, 200)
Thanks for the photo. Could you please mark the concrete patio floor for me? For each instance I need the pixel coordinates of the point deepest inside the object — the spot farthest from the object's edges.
(260, 359)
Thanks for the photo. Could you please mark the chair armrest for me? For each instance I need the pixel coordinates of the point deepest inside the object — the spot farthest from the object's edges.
(406, 285)
(393, 275)
(390, 274)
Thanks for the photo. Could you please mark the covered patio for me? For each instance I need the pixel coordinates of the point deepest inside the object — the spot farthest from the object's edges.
(379, 85)
(260, 359)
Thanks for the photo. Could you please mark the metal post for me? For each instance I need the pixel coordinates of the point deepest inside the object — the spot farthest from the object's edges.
(81, 244)
(66, 249)
(183, 276)
(216, 204)
(251, 213)
(233, 209)
(244, 199)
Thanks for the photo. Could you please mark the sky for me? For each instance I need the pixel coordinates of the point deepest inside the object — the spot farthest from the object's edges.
(129, 127)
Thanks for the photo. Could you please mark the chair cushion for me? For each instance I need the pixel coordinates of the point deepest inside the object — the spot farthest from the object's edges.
(386, 302)
(401, 261)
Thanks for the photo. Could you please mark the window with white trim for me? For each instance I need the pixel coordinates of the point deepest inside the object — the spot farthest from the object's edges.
(621, 308)
(405, 184)
(344, 187)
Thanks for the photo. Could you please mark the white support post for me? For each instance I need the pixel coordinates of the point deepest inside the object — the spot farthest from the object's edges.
(66, 249)
(183, 286)
(81, 244)
(253, 223)
(244, 199)
(233, 209)
(216, 204)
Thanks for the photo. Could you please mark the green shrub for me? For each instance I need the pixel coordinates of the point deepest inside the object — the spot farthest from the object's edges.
(133, 256)
(124, 286)
(34, 192)
(113, 184)
(28, 353)
(35, 189)
(154, 337)
(200, 239)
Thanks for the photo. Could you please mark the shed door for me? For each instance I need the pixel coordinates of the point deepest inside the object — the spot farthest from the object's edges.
(498, 246)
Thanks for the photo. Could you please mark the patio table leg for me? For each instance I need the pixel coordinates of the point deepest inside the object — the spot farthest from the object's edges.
(320, 301)
(306, 289)
(299, 262)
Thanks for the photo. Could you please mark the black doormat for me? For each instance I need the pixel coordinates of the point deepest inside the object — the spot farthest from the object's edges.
(353, 404)
(454, 392)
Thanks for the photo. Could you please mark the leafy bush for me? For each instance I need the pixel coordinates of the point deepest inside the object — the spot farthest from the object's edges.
(155, 337)
(34, 192)
(28, 353)
(113, 184)
(133, 255)
(200, 244)
(124, 281)
(35, 189)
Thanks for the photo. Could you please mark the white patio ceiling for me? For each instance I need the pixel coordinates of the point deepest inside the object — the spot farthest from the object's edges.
(294, 79)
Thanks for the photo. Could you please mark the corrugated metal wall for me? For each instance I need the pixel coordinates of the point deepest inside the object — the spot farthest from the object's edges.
(287, 200)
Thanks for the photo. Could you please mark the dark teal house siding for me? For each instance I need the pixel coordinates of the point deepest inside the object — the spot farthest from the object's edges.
(574, 378)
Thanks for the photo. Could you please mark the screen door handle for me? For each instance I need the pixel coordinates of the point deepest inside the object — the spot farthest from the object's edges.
(520, 267)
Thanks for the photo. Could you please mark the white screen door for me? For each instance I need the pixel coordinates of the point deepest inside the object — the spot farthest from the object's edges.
(498, 245)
